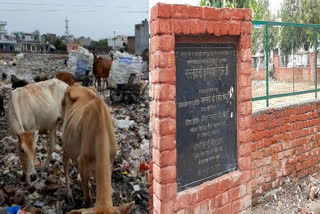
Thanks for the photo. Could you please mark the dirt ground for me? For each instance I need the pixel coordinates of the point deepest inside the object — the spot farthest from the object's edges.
(279, 87)
(47, 195)
(292, 197)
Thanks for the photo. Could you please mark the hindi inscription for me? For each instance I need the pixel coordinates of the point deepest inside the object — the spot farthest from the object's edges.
(206, 112)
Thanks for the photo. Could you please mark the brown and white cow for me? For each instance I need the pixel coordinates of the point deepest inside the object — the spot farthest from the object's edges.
(34, 107)
(89, 138)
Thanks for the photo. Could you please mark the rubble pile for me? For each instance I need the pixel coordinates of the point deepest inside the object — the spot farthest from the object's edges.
(48, 193)
(27, 66)
(294, 196)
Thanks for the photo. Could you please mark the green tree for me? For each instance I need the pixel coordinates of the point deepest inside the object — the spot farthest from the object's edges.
(60, 45)
(255, 5)
(100, 43)
(298, 11)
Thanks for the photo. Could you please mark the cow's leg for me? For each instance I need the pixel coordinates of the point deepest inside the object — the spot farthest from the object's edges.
(52, 143)
(99, 84)
(85, 181)
(66, 172)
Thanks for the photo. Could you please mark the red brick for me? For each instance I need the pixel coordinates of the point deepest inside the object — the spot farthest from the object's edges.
(164, 175)
(165, 126)
(245, 122)
(181, 26)
(163, 75)
(214, 27)
(204, 207)
(244, 136)
(218, 201)
(244, 163)
(225, 13)
(245, 68)
(226, 183)
(246, 55)
(160, 10)
(208, 191)
(246, 27)
(211, 13)
(160, 26)
(163, 59)
(183, 201)
(162, 43)
(244, 80)
(165, 158)
(234, 194)
(235, 206)
(179, 11)
(245, 108)
(195, 12)
(223, 28)
(165, 192)
(164, 92)
(245, 41)
(245, 150)
(198, 26)
(226, 209)
(224, 198)
(248, 14)
(160, 207)
(164, 142)
(237, 14)
(164, 109)
(244, 94)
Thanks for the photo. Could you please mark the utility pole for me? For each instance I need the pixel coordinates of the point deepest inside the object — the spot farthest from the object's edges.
(114, 39)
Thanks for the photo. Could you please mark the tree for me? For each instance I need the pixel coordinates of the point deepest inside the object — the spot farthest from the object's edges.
(298, 11)
(255, 5)
(59, 45)
(100, 43)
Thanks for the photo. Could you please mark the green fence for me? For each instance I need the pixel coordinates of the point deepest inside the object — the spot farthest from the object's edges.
(267, 25)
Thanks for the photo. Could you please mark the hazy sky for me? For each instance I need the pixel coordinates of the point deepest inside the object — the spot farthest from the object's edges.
(94, 18)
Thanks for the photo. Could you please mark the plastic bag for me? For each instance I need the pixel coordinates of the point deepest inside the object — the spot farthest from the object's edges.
(80, 62)
(123, 66)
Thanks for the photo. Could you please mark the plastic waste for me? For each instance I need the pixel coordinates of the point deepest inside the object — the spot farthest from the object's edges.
(13, 209)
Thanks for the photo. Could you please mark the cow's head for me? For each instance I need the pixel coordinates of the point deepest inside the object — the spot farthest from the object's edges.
(73, 93)
(26, 151)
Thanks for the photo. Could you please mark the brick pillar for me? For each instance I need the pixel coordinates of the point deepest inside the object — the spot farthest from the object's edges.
(230, 193)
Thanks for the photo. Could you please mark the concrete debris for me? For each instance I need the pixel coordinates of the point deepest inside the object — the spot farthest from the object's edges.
(123, 124)
(47, 194)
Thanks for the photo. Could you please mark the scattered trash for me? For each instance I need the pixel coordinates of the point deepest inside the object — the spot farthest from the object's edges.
(47, 193)
(123, 124)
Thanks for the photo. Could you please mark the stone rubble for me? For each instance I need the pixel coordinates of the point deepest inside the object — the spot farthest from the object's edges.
(47, 194)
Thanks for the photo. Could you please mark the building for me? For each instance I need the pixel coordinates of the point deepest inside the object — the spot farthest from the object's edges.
(119, 42)
(131, 45)
(84, 41)
(29, 42)
(6, 44)
(141, 37)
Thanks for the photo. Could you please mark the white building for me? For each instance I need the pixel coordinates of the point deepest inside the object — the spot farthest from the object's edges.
(6, 44)
(119, 42)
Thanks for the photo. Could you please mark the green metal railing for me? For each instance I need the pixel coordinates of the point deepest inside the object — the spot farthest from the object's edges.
(268, 96)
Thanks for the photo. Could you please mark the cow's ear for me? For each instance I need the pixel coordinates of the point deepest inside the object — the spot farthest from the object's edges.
(74, 95)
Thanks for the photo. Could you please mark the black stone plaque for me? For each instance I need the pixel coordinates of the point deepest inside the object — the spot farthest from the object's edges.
(206, 107)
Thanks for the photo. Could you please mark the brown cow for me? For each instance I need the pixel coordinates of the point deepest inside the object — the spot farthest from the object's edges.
(92, 144)
(101, 70)
(65, 77)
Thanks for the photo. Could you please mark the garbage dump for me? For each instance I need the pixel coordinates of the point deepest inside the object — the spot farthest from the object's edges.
(48, 192)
